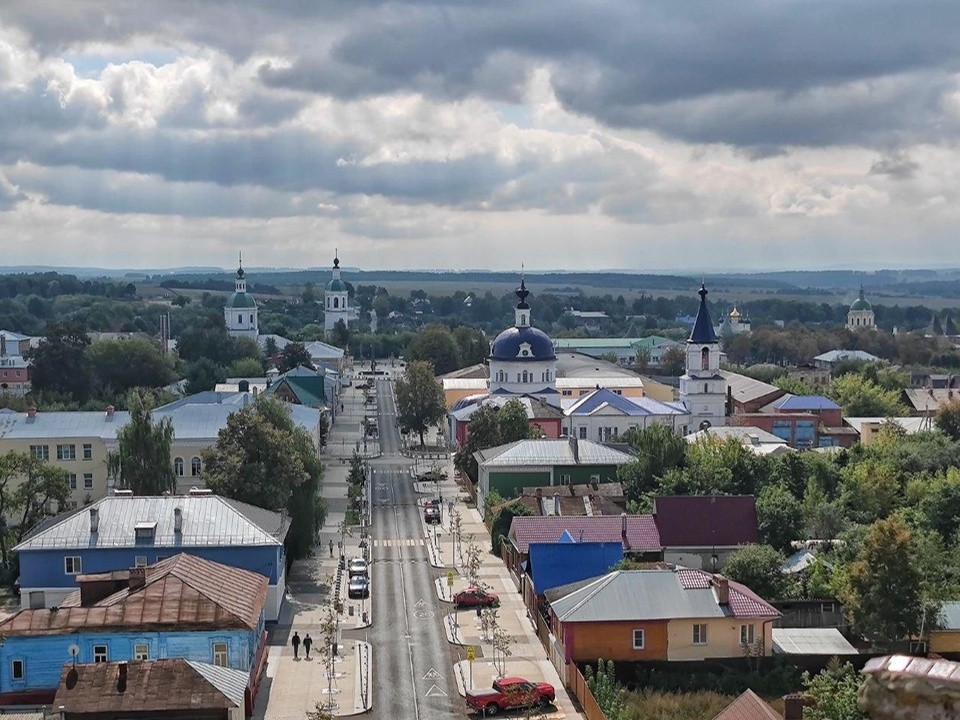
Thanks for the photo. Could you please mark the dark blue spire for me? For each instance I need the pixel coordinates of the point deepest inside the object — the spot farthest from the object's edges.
(703, 325)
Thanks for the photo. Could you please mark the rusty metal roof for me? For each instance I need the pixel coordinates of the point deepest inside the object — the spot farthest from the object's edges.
(181, 592)
(150, 686)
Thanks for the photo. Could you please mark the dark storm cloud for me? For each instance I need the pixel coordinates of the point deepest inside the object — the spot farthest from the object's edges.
(895, 165)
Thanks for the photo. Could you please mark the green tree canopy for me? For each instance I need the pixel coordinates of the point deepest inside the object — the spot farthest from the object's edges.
(436, 345)
(780, 517)
(294, 354)
(144, 449)
(419, 398)
(861, 397)
(202, 375)
(834, 693)
(658, 451)
(60, 362)
(948, 419)
(28, 487)
(121, 365)
(759, 568)
(513, 422)
(245, 367)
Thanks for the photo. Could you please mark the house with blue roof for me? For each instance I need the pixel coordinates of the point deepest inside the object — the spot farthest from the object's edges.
(181, 607)
(123, 531)
(603, 415)
(568, 560)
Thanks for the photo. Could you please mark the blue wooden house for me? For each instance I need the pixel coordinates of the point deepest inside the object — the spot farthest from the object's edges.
(122, 531)
(182, 607)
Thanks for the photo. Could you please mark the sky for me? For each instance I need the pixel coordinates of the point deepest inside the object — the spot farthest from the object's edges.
(697, 136)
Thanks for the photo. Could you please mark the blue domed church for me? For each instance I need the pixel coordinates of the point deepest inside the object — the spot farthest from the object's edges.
(522, 358)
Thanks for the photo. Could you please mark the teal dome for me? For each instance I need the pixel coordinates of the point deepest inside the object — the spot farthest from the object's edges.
(337, 285)
(861, 304)
(241, 301)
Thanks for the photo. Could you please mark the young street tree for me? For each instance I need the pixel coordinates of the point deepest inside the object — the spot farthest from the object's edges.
(144, 449)
(27, 486)
(261, 457)
(419, 398)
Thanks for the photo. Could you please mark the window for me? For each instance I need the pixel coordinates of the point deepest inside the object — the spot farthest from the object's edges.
(17, 670)
(638, 639)
(178, 466)
(746, 634)
(705, 359)
(66, 452)
(99, 653)
(251, 319)
(700, 634)
(583, 432)
(706, 388)
(140, 561)
(72, 565)
(336, 302)
(220, 654)
(564, 479)
(88, 481)
(87, 451)
(40, 451)
(195, 467)
(566, 393)
(72, 479)
(141, 651)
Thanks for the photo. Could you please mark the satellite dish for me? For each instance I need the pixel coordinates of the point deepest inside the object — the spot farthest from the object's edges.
(705, 425)
(74, 650)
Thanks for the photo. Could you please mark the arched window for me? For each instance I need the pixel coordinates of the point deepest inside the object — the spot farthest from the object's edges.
(195, 466)
(705, 359)
(251, 318)
(336, 303)
(526, 376)
(240, 319)
(178, 466)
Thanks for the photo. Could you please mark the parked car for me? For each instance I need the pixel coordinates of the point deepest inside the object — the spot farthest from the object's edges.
(359, 587)
(511, 693)
(358, 566)
(431, 514)
(475, 597)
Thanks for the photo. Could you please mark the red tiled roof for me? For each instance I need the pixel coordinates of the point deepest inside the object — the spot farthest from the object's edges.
(151, 686)
(742, 601)
(749, 706)
(693, 579)
(706, 520)
(183, 591)
(641, 530)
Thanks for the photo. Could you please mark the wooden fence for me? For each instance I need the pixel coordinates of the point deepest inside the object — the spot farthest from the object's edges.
(578, 686)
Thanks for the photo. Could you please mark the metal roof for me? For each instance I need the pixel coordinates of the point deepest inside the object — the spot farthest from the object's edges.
(181, 592)
(208, 520)
(550, 452)
(641, 536)
(745, 389)
(748, 706)
(806, 402)
(703, 331)
(811, 641)
(706, 520)
(625, 343)
(835, 355)
(744, 433)
(319, 349)
(602, 398)
(635, 595)
(232, 683)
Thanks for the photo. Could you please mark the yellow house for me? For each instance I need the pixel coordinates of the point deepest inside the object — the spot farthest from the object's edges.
(80, 442)
(945, 640)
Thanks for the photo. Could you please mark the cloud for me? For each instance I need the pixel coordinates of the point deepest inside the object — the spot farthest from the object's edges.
(895, 165)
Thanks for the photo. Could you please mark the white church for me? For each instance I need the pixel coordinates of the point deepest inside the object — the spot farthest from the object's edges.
(703, 390)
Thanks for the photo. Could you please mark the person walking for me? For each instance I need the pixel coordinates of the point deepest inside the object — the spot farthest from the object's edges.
(296, 646)
(307, 643)
(331, 547)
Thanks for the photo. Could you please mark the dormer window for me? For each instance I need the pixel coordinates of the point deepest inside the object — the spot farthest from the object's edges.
(145, 532)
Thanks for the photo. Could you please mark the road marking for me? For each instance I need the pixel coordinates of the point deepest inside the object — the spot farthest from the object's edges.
(434, 691)
(420, 603)
(423, 614)
(432, 674)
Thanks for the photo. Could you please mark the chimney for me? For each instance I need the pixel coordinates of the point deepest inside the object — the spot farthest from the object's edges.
(110, 410)
(121, 676)
(556, 504)
(793, 705)
(178, 520)
(94, 520)
(31, 412)
(575, 449)
(722, 586)
(138, 578)
(623, 526)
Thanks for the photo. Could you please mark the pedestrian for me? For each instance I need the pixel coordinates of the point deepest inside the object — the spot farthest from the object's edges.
(331, 547)
(296, 645)
(307, 643)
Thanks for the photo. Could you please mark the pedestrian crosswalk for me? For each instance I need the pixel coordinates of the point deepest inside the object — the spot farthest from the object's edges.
(400, 542)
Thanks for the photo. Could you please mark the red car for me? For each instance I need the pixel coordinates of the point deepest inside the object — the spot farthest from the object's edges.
(511, 693)
(474, 597)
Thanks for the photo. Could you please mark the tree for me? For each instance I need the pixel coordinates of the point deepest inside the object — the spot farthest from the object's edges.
(641, 360)
(861, 397)
(882, 587)
(472, 344)
(144, 448)
(871, 489)
(436, 345)
(780, 517)
(203, 375)
(759, 567)
(794, 385)
(948, 419)
(500, 524)
(483, 431)
(824, 518)
(262, 458)
(673, 361)
(121, 365)
(609, 694)
(658, 450)
(834, 692)
(940, 504)
(340, 334)
(246, 367)
(293, 355)
(60, 362)
(513, 422)
(28, 486)
(419, 398)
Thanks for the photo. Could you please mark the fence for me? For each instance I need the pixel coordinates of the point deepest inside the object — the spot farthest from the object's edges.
(578, 686)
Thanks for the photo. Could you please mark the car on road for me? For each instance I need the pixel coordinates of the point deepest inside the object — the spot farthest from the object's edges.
(431, 514)
(511, 693)
(359, 587)
(475, 597)
(358, 566)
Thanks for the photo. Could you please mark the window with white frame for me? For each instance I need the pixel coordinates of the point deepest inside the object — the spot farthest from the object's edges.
(140, 561)
(221, 655)
(178, 466)
(87, 451)
(747, 634)
(195, 466)
(564, 479)
(72, 479)
(141, 651)
(17, 670)
(700, 634)
(88, 481)
(638, 638)
(40, 451)
(100, 653)
(66, 452)
(72, 565)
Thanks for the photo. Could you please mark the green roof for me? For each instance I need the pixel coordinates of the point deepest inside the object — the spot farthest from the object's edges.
(241, 300)
(860, 304)
(337, 286)
(307, 390)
